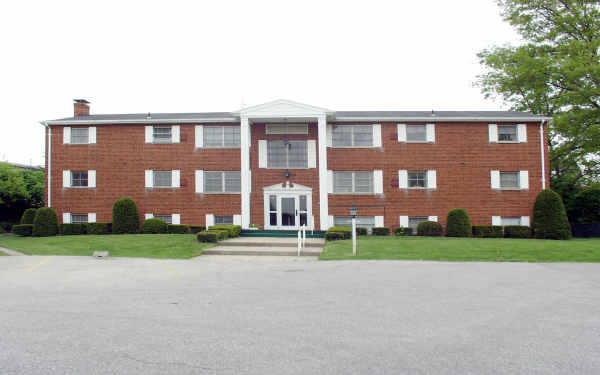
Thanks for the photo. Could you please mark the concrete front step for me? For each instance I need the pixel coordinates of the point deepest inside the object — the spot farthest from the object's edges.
(272, 242)
(267, 246)
(264, 250)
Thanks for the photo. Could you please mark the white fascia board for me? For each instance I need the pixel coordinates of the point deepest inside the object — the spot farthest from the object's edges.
(144, 121)
(443, 119)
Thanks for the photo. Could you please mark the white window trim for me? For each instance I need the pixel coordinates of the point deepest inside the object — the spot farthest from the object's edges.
(375, 128)
(175, 179)
(222, 139)
(68, 136)
(272, 129)
(417, 187)
(222, 184)
(263, 149)
(354, 184)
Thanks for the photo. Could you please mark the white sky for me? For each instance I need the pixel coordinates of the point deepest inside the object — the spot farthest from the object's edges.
(197, 56)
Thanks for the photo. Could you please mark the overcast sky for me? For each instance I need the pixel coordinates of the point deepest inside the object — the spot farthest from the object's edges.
(195, 56)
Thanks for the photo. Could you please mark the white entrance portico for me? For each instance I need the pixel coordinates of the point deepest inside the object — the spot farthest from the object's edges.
(288, 206)
(281, 112)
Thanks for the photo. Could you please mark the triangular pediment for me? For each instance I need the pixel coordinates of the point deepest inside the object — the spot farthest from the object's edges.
(283, 108)
(286, 187)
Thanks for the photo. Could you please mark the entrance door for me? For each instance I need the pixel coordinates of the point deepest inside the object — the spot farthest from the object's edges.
(288, 212)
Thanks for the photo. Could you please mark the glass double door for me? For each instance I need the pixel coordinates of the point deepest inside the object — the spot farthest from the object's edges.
(287, 211)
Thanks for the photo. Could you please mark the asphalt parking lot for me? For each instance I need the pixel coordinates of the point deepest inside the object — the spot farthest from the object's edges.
(244, 315)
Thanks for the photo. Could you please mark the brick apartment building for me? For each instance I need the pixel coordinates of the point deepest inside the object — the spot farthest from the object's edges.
(284, 164)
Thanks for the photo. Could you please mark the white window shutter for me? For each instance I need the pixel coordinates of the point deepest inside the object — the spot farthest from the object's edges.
(66, 135)
(379, 221)
(262, 153)
(176, 219)
(210, 220)
(237, 220)
(522, 132)
(148, 216)
(431, 179)
(149, 179)
(175, 134)
(497, 220)
(92, 135)
(401, 132)
(329, 135)
(330, 182)
(524, 180)
(148, 134)
(92, 217)
(525, 221)
(430, 133)
(495, 179)
(311, 145)
(66, 179)
(403, 179)
(378, 182)
(404, 221)
(66, 218)
(376, 135)
(92, 178)
(433, 218)
(199, 181)
(175, 178)
(330, 221)
(493, 133)
(199, 135)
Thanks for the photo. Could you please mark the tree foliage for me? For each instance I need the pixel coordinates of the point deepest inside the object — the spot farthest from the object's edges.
(555, 72)
(19, 189)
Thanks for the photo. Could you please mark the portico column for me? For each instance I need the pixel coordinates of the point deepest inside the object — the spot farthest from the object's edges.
(245, 175)
(323, 180)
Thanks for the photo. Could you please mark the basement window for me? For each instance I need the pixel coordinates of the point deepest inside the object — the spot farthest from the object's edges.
(79, 218)
(165, 218)
(224, 220)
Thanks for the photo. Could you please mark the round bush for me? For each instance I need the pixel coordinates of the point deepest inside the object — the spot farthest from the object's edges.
(28, 216)
(125, 216)
(403, 231)
(517, 231)
(430, 229)
(154, 226)
(178, 229)
(45, 222)
(207, 237)
(549, 217)
(458, 223)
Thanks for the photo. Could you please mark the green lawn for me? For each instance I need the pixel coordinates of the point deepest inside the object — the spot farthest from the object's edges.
(126, 245)
(466, 249)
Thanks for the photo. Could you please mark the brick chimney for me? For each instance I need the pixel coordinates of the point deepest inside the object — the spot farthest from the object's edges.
(81, 107)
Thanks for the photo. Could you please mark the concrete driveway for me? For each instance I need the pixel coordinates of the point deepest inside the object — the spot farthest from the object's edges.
(230, 315)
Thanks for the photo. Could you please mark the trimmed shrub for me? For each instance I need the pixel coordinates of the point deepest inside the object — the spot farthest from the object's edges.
(7, 226)
(458, 223)
(429, 228)
(207, 237)
(24, 230)
(221, 234)
(197, 228)
(517, 231)
(232, 230)
(335, 236)
(360, 231)
(45, 223)
(178, 229)
(98, 228)
(487, 231)
(28, 216)
(72, 229)
(403, 231)
(549, 217)
(126, 218)
(381, 231)
(154, 226)
(340, 229)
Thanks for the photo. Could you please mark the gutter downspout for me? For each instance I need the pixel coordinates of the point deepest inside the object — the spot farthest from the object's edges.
(49, 158)
(542, 154)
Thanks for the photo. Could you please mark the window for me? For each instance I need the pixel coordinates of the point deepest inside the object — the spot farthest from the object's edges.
(361, 221)
(80, 136)
(165, 218)
(287, 129)
(509, 180)
(162, 178)
(352, 136)
(353, 182)
(507, 133)
(224, 220)
(416, 133)
(511, 221)
(161, 134)
(79, 179)
(222, 136)
(222, 182)
(417, 179)
(414, 221)
(290, 154)
(79, 218)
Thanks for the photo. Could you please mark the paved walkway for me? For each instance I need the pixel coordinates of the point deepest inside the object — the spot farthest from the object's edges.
(10, 252)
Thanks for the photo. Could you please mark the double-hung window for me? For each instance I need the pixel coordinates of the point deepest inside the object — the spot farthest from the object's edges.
(166, 218)
(80, 136)
(417, 179)
(161, 134)
(352, 136)
(416, 133)
(222, 182)
(509, 180)
(353, 182)
(287, 154)
(79, 218)
(224, 220)
(414, 221)
(79, 178)
(507, 133)
(221, 136)
(162, 179)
